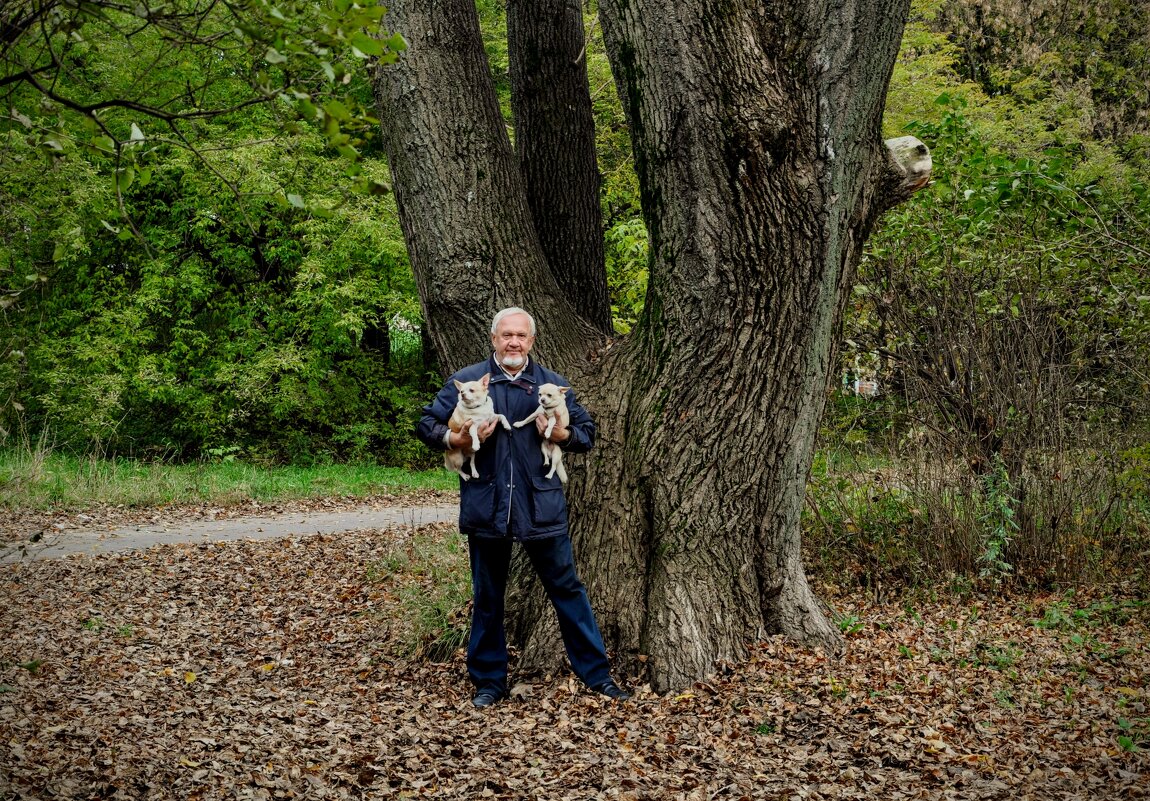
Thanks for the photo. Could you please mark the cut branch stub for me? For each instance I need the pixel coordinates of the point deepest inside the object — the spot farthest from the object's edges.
(912, 161)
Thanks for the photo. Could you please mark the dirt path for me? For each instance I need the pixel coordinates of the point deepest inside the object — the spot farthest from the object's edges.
(57, 541)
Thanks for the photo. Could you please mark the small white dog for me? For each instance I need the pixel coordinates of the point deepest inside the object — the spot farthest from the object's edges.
(553, 406)
(474, 407)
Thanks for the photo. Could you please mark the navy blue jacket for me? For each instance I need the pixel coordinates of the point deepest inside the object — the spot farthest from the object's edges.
(512, 496)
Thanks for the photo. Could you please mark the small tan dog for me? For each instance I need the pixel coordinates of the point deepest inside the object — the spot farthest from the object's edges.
(553, 406)
(474, 407)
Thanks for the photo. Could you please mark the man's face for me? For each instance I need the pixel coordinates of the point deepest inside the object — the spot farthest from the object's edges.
(512, 341)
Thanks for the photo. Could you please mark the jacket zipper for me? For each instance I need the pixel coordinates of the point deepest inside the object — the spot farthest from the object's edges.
(510, 469)
(510, 489)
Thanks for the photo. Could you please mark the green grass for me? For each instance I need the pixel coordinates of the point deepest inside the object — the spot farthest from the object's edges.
(31, 479)
(428, 575)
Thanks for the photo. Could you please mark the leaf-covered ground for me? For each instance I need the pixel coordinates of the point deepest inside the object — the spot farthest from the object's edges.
(273, 670)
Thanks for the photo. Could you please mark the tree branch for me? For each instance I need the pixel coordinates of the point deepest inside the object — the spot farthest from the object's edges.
(90, 109)
(24, 76)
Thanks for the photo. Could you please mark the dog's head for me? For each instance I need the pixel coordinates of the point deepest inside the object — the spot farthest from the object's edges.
(473, 393)
(551, 395)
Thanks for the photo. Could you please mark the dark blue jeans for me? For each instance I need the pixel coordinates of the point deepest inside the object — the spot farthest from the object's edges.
(554, 563)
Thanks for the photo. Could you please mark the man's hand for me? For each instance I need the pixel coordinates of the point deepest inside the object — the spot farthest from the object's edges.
(486, 427)
(558, 434)
(461, 439)
(457, 439)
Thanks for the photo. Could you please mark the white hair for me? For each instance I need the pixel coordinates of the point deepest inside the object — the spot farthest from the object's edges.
(507, 313)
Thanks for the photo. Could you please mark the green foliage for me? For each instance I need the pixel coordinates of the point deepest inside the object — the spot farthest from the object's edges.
(626, 249)
(1066, 614)
(245, 321)
(997, 518)
(1048, 61)
(255, 308)
(1126, 743)
(1001, 311)
(912, 519)
(493, 27)
(861, 527)
(862, 425)
(625, 238)
(1082, 624)
(927, 65)
(999, 657)
(164, 302)
(82, 78)
(851, 624)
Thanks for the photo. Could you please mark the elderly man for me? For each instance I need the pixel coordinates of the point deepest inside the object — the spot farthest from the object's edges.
(512, 500)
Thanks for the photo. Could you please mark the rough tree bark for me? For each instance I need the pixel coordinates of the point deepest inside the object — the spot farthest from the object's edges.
(555, 143)
(462, 203)
(756, 131)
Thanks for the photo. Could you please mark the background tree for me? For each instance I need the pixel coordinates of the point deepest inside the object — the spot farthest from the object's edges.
(97, 58)
(756, 133)
(1095, 55)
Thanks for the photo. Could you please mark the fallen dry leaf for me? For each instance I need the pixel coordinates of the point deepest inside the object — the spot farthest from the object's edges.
(270, 669)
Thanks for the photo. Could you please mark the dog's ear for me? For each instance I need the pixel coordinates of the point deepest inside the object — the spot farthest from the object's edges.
(458, 384)
(485, 380)
(563, 390)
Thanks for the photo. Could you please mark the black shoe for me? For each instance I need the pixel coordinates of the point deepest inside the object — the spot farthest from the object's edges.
(486, 698)
(613, 691)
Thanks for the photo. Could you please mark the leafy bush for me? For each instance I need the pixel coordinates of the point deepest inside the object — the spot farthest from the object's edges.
(915, 519)
(224, 320)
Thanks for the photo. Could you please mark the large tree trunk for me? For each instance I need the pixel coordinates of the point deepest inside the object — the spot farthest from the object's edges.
(757, 142)
(461, 198)
(555, 143)
(756, 131)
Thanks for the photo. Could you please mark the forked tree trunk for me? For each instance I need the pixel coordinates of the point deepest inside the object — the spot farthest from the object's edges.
(555, 143)
(461, 198)
(757, 141)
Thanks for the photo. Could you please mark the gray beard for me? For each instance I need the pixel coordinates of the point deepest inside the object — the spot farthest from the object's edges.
(514, 361)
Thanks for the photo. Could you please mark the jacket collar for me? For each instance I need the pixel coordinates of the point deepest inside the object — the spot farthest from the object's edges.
(526, 379)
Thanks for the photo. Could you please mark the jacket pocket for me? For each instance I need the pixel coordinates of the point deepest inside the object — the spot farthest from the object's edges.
(548, 504)
(477, 504)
